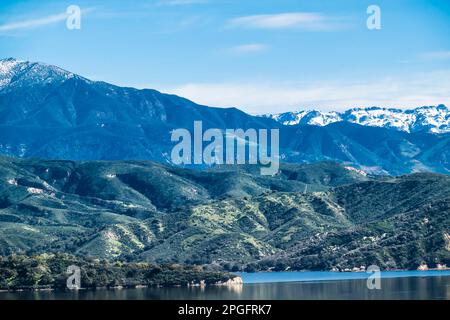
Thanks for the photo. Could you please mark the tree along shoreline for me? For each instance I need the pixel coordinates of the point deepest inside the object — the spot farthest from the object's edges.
(50, 272)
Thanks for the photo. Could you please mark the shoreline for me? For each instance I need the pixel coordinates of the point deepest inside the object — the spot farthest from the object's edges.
(238, 280)
(235, 281)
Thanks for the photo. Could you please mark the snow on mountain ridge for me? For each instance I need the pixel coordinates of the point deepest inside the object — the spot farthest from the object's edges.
(16, 73)
(7, 67)
(434, 119)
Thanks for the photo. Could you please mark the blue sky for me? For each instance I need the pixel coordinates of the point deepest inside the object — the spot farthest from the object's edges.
(259, 55)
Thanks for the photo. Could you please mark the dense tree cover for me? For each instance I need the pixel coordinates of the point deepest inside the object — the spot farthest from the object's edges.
(50, 271)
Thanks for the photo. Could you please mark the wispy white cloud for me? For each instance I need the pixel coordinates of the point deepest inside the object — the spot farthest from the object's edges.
(249, 48)
(33, 23)
(179, 2)
(418, 90)
(38, 22)
(291, 20)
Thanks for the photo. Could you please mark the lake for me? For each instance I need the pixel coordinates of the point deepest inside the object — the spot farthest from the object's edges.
(397, 285)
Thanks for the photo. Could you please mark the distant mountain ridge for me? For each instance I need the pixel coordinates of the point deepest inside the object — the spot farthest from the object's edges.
(433, 119)
(47, 112)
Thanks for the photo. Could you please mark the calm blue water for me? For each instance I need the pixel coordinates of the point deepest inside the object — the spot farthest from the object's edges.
(395, 285)
(268, 277)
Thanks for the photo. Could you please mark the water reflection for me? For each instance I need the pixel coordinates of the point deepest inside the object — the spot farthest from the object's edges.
(392, 288)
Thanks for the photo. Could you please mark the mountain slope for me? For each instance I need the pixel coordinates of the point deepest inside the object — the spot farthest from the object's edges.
(400, 223)
(49, 112)
(373, 149)
(308, 217)
(112, 208)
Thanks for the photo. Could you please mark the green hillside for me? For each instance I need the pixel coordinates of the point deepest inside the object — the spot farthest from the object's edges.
(316, 216)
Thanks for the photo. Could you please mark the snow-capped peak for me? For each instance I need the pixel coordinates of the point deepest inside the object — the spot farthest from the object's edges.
(15, 72)
(312, 117)
(434, 119)
(7, 67)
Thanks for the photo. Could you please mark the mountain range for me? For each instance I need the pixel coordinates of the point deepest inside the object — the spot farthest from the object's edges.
(433, 119)
(47, 112)
(77, 178)
(317, 217)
